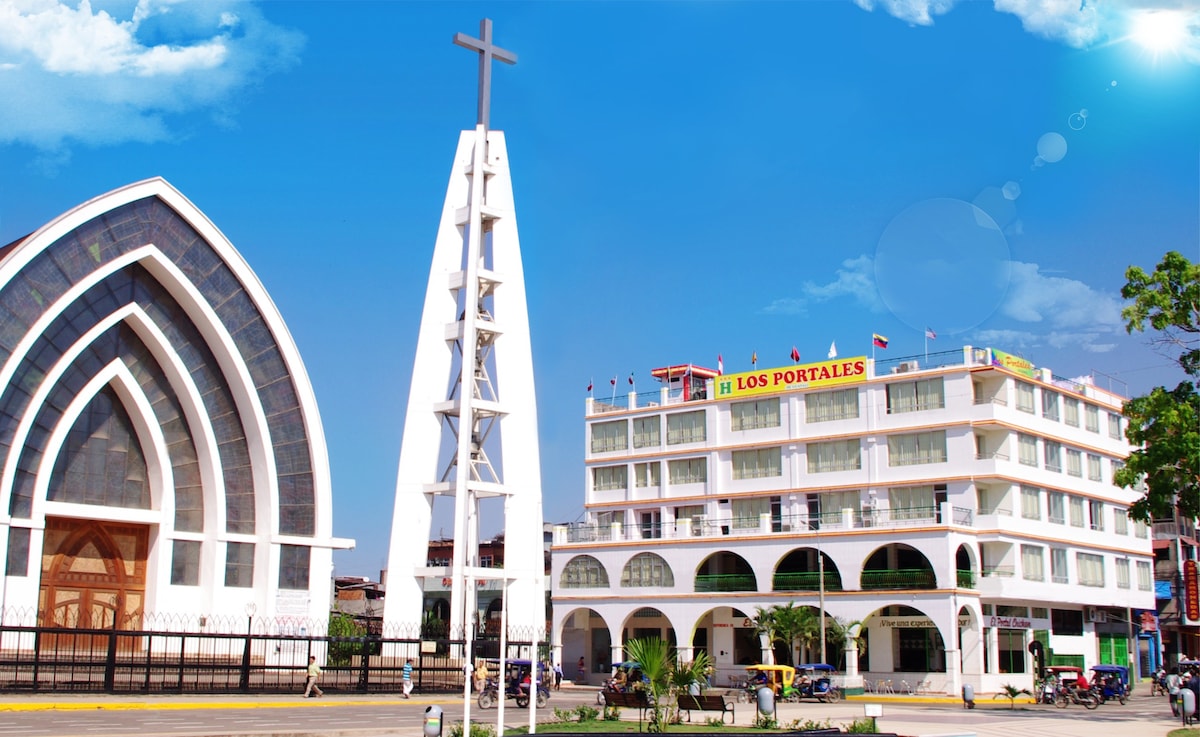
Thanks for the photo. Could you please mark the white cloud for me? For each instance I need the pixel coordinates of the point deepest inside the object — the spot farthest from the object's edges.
(1060, 303)
(1073, 22)
(919, 12)
(93, 75)
(855, 279)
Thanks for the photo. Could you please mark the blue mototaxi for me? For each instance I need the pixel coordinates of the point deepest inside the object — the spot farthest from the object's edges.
(814, 681)
(1111, 682)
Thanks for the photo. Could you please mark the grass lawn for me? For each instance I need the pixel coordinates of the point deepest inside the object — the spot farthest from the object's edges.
(1184, 732)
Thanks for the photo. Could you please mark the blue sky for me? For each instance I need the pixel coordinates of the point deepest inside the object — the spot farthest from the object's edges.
(692, 179)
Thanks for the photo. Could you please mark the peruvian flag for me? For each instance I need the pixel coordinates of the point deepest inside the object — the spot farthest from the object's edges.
(720, 365)
(795, 355)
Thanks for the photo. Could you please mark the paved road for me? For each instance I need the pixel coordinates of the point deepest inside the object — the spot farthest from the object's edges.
(353, 716)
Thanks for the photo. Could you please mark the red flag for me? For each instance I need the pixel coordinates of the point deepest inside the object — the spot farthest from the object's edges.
(613, 381)
(720, 365)
(589, 386)
(795, 354)
(631, 378)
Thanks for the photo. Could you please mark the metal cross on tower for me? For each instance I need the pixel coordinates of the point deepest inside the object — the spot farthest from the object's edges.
(487, 51)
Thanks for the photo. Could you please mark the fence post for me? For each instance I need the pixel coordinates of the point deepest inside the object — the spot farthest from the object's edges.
(364, 670)
(244, 685)
(110, 662)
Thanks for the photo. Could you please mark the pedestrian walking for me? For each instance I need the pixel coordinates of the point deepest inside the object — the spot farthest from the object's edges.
(582, 672)
(406, 674)
(558, 676)
(310, 683)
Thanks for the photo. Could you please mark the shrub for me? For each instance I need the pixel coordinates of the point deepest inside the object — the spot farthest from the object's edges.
(587, 713)
(763, 721)
(866, 725)
(715, 722)
(477, 730)
(564, 715)
(808, 724)
(612, 714)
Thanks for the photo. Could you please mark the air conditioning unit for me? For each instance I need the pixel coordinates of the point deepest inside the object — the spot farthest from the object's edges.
(1096, 615)
(904, 367)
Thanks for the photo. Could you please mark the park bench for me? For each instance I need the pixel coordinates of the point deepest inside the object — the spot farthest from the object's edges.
(706, 702)
(629, 700)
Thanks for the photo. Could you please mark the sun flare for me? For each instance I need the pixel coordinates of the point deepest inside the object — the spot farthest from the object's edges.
(1160, 30)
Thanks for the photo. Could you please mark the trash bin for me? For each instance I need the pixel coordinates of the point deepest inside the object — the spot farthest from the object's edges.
(766, 701)
(433, 721)
(1187, 705)
(968, 696)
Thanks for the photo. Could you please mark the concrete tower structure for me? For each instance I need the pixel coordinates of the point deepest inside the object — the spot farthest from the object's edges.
(470, 430)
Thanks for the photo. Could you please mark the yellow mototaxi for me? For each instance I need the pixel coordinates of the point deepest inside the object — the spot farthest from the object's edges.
(779, 678)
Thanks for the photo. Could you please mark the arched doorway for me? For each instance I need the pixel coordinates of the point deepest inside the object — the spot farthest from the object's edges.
(93, 575)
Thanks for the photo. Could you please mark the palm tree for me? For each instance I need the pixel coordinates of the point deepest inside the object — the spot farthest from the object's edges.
(655, 656)
(766, 624)
(836, 630)
(1011, 693)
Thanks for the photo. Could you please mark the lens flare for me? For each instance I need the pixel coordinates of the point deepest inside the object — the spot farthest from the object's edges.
(1160, 30)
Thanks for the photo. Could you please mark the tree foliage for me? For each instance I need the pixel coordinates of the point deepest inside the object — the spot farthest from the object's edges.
(666, 676)
(1164, 425)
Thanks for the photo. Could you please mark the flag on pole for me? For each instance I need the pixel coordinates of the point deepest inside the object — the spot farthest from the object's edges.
(754, 358)
(590, 382)
(879, 340)
(795, 355)
(833, 349)
(930, 334)
(631, 378)
(613, 381)
(720, 365)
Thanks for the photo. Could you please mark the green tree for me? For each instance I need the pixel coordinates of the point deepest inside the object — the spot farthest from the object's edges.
(1165, 424)
(655, 656)
(342, 627)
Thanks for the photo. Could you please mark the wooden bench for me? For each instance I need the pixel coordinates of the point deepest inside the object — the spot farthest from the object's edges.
(706, 702)
(629, 700)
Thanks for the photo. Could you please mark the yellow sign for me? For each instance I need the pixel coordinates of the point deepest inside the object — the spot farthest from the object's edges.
(1012, 363)
(804, 376)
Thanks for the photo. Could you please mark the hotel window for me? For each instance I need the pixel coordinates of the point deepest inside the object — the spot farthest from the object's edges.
(646, 432)
(1120, 521)
(912, 503)
(833, 502)
(1094, 467)
(1027, 449)
(915, 396)
(1114, 426)
(746, 512)
(685, 427)
(1052, 453)
(584, 572)
(1141, 529)
(239, 565)
(610, 436)
(647, 569)
(1122, 573)
(1091, 418)
(837, 455)
(1050, 404)
(692, 512)
(610, 478)
(1096, 515)
(1058, 566)
(1033, 566)
(1025, 397)
(1066, 622)
(922, 447)
(1071, 412)
(1075, 504)
(1114, 466)
(1145, 577)
(688, 471)
(1056, 502)
(185, 563)
(839, 404)
(647, 475)
(757, 463)
(1091, 569)
(1074, 462)
(1031, 502)
(754, 415)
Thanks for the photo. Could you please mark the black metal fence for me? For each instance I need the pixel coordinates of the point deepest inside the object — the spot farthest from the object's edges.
(59, 659)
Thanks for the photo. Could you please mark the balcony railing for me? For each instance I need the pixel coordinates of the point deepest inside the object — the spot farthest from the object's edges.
(719, 582)
(996, 572)
(966, 579)
(806, 581)
(905, 578)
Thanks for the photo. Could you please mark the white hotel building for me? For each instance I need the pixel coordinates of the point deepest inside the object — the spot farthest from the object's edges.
(961, 503)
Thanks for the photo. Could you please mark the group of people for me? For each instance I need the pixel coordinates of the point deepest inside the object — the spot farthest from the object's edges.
(1176, 681)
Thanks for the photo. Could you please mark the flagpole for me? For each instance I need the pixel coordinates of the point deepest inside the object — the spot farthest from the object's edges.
(927, 355)
(613, 401)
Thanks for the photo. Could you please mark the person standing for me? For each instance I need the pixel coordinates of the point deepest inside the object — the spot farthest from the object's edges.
(481, 675)
(406, 675)
(310, 683)
(582, 674)
(558, 676)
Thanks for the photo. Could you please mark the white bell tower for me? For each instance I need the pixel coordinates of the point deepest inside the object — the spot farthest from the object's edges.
(471, 402)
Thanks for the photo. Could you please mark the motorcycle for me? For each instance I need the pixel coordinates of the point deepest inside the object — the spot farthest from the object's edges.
(517, 692)
(1068, 694)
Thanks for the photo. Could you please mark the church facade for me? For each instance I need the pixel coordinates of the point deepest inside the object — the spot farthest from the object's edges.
(161, 454)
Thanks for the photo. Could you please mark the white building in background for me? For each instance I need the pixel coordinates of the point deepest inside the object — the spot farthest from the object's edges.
(163, 462)
(962, 504)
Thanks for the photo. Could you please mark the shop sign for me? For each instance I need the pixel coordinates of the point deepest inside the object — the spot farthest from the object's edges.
(1149, 622)
(1191, 592)
(1013, 363)
(916, 622)
(1011, 623)
(803, 376)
